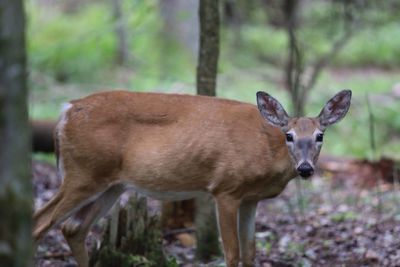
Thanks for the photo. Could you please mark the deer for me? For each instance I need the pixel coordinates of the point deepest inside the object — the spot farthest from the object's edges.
(174, 147)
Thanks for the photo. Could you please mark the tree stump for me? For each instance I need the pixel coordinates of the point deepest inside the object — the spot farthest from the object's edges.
(132, 238)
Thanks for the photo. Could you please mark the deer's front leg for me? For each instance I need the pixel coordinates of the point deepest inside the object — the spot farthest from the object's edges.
(227, 209)
(247, 215)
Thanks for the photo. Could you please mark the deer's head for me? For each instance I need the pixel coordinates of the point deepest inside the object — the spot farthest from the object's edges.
(304, 136)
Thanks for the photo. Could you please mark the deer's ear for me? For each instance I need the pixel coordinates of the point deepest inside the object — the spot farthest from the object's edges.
(335, 109)
(272, 110)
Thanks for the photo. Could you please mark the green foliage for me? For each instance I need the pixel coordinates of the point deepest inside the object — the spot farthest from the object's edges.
(265, 245)
(44, 110)
(113, 258)
(294, 248)
(355, 124)
(377, 46)
(70, 46)
(343, 216)
(371, 44)
(172, 262)
(46, 157)
(81, 46)
(259, 41)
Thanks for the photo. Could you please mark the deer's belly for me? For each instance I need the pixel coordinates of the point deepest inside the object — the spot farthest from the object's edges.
(164, 195)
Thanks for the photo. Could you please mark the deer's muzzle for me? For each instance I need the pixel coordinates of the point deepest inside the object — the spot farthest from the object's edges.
(305, 170)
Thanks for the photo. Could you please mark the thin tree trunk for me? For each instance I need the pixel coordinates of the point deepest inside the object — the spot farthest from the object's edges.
(207, 231)
(15, 182)
(209, 47)
(122, 52)
(298, 87)
(294, 64)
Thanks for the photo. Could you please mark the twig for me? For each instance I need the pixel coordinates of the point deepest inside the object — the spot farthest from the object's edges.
(371, 122)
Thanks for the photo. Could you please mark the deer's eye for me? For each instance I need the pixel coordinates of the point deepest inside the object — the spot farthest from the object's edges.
(289, 137)
(320, 137)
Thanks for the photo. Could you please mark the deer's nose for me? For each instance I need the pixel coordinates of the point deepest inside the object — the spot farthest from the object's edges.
(305, 170)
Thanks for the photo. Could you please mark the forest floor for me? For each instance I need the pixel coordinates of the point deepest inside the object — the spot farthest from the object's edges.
(330, 221)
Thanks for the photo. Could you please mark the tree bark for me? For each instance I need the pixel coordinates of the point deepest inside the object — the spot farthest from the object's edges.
(15, 182)
(294, 64)
(132, 238)
(206, 226)
(122, 52)
(209, 47)
(206, 229)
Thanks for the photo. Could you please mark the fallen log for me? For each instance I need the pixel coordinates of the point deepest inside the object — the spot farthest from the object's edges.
(42, 136)
(360, 172)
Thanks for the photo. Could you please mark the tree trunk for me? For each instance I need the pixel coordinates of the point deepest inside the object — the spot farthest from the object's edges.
(209, 47)
(15, 181)
(294, 64)
(132, 238)
(206, 229)
(122, 52)
(206, 226)
(298, 87)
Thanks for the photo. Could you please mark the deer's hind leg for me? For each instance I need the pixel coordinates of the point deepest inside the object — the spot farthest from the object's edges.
(76, 228)
(70, 198)
(60, 207)
(42, 218)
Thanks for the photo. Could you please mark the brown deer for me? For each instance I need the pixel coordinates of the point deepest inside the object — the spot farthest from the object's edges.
(176, 147)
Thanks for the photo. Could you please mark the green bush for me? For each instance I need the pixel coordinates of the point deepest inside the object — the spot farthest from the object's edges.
(377, 46)
(70, 46)
(81, 46)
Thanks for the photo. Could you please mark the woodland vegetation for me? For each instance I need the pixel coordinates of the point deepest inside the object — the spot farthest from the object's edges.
(299, 51)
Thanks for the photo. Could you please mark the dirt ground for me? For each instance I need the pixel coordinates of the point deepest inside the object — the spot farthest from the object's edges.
(322, 222)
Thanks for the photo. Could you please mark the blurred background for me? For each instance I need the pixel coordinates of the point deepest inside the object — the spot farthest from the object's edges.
(300, 51)
(78, 47)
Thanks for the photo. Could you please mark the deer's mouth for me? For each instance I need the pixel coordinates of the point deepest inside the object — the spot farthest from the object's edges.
(305, 176)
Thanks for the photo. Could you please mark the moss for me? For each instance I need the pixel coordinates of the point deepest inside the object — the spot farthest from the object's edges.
(111, 257)
(138, 239)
